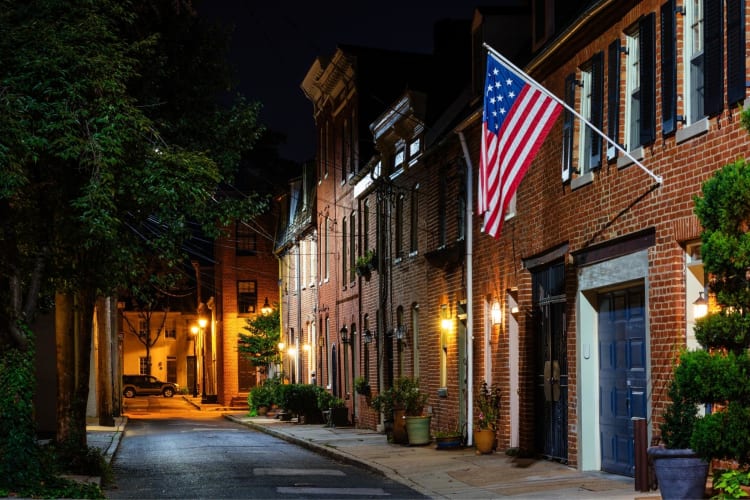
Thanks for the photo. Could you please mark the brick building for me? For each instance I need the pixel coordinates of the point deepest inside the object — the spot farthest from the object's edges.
(598, 263)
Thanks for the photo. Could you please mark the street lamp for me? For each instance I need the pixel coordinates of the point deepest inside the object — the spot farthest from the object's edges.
(194, 330)
(266, 309)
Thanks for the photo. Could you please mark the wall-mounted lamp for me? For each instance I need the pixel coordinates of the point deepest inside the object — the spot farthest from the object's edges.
(700, 306)
(514, 310)
(496, 313)
(202, 322)
(281, 346)
(266, 309)
(368, 336)
(306, 347)
(445, 321)
(344, 334)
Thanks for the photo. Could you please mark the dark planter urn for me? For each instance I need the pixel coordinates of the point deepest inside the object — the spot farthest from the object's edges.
(681, 473)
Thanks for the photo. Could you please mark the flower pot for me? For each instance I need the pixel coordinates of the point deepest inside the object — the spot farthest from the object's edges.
(418, 430)
(262, 411)
(680, 473)
(448, 442)
(484, 441)
(399, 427)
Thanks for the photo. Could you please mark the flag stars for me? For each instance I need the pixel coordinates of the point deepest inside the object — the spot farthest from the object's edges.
(511, 94)
(508, 82)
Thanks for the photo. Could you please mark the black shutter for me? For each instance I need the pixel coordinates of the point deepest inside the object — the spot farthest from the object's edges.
(735, 51)
(646, 29)
(597, 107)
(613, 96)
(668, 69)
(713, 57)
(567, 157)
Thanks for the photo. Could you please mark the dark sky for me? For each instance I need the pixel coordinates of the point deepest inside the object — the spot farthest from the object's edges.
(275, 42)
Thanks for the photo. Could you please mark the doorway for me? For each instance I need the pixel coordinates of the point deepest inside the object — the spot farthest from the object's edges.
(551, 366)
(622, 375)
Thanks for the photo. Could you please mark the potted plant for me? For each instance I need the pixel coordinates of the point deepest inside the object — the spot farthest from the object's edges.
(362, 386)
(417, 424)
(448, 440)
(333, 409)
(366, 264)
(715, 377)
(390, 403)
(488, 406)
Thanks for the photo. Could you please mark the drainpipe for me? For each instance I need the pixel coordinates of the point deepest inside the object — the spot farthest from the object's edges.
(298, 360)
(469, 294)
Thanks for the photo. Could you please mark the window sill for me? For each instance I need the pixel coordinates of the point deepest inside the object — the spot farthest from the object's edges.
(693, 130)
(624, 161)
(582, 180)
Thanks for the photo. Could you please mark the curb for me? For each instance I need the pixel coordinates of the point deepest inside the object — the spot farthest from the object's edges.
(336, 454)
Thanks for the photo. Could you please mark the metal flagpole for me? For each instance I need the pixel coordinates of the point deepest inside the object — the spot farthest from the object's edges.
(521, 74)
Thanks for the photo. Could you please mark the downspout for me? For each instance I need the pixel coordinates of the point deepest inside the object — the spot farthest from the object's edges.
(469, 294)
(298, 359)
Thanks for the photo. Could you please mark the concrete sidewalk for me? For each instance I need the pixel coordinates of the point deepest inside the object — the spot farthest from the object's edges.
(459, 473)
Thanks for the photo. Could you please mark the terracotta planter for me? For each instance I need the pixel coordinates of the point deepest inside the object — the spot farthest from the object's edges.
(484, 441)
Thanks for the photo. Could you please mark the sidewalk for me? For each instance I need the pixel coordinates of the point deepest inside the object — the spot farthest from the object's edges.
(106, 438)
(450, 473)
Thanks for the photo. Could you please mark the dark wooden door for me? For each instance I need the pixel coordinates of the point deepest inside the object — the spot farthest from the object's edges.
(622, 375)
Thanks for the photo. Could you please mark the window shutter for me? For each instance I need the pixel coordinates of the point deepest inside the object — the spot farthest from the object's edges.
(648, 84)
(713, 57)
(613, 96)
(668, 69)
(597, 107)
(735, 51)
(567, 155)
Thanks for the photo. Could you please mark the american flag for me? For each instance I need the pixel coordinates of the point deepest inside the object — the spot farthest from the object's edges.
(517, 117)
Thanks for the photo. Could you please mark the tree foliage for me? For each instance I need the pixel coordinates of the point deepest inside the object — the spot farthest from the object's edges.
(115, 149)
(260, 344)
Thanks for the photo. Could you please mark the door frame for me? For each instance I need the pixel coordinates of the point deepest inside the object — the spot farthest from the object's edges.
(626, 270)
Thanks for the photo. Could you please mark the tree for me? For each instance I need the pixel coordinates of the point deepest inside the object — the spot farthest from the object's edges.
(260, 345)
(115, 146)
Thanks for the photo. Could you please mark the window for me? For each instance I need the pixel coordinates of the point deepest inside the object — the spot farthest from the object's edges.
(170, 329)
(366, 226)
(415, 149)
(246, 239)
(325, 258)
(399, 236)
(589, 142)
(144, 365)
(461, 208)
(640, 95)
(398, 160)
(344, 150)
(442, 207)
(414, 220)
(247, 296)
(312, 250)
(693, 47)
(304, 278)
(344, 242)
(632, 92)
(352, 246)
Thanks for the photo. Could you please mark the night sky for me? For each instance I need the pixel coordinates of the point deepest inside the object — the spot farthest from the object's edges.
(276, 42)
